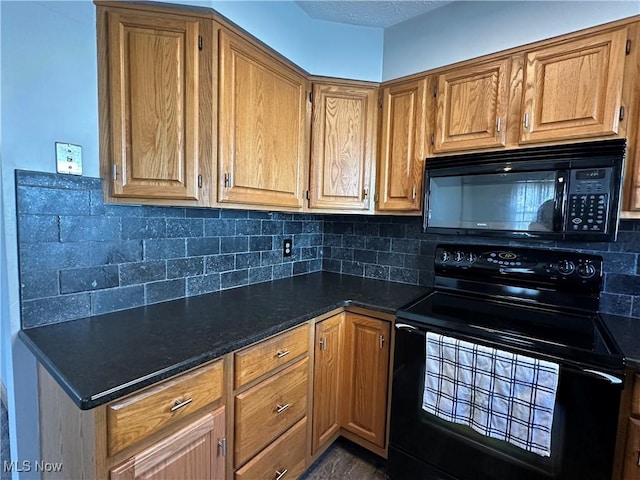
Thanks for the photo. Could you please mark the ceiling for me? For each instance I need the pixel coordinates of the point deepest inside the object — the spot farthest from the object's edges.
(370, 13)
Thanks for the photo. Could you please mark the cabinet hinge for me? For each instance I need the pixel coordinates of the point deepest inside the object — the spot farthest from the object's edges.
(380, 101)
(621, 116)
(227, 180)
(199, 181)
(435, 91)
(114, 172)
(310, 97)
(199, 42)
(627, 48)
(307, 195)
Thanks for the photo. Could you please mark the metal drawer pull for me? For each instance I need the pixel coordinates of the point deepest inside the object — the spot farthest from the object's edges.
(280, 475)
(283, 353)
(177, 405)
(282, 408)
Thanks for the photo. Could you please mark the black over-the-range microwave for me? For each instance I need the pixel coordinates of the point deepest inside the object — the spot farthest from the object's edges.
(560, 192)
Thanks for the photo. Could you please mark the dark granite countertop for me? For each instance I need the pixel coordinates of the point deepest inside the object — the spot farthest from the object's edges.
(101, 358)
(626, 333)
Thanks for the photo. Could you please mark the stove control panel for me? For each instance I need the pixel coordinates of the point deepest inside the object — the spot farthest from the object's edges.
(548, 267)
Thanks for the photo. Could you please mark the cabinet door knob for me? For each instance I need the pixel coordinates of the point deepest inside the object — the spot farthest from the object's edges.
(177, 405)
(280, 475)
(283, 353)
(282, 408)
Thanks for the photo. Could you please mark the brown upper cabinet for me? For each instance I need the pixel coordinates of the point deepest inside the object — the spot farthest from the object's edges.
(263, 124)
(573, 89)
(472, 107)
(153, 78)
(196, 112)
(402, 146)
(343, 145)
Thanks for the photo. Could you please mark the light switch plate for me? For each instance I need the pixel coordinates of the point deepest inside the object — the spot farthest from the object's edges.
(69, 158)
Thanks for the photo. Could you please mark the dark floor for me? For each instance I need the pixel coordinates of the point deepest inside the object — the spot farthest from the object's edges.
(346, 460)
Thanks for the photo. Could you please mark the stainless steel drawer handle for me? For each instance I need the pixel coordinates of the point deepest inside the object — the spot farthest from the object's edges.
(283, 353)
(280, 475)
(282, 408)
(177, 405)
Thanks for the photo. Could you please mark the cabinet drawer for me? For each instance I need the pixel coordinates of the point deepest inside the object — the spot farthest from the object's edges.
(141, 414)
(287, 454)
(259, 359)
(269, 408)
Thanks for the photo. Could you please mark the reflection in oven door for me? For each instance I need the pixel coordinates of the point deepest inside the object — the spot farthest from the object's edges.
(423, 446)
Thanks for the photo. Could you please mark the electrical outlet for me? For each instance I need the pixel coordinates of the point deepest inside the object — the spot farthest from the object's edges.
(287, 247)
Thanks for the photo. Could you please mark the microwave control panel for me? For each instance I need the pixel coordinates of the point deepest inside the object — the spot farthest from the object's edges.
(589, 198)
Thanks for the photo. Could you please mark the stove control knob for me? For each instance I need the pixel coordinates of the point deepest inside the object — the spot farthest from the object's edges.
(458, 257)
(471, 257)
(444, 256)
(586, 270)
(566, 267)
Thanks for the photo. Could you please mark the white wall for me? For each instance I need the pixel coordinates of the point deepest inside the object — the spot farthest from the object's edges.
(321, 48)
(463, 30)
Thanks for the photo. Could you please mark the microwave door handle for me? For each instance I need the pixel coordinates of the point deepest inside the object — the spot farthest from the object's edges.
(561, 200)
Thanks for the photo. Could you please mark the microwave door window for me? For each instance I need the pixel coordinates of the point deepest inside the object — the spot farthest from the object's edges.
(507, 201)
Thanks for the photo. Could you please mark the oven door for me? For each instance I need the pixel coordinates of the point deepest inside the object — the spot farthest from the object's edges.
(422, 446)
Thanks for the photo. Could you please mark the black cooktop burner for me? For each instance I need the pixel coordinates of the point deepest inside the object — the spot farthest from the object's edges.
(562, 336)
(540, 302)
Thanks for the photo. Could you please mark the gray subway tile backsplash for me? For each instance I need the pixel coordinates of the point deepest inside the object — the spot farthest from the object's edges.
(81, 257)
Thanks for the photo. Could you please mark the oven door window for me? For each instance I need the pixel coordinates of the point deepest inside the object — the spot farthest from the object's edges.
(520, 201)
(582, 440)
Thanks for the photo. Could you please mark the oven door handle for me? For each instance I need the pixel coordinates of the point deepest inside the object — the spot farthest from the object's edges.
(409, 328)
(606, 376)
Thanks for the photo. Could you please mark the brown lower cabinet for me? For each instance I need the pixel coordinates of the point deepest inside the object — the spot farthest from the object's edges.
(351, 381)
(192, 452)
(263, 412)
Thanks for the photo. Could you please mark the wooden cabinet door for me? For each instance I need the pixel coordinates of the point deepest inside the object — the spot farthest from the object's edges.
(573, 90)
(153, 96)
(192, 453)
(342, 146)
(327, 380)
(263, 120)
(472, 107)
(366, 377)
(402, 146)
(631, 462)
